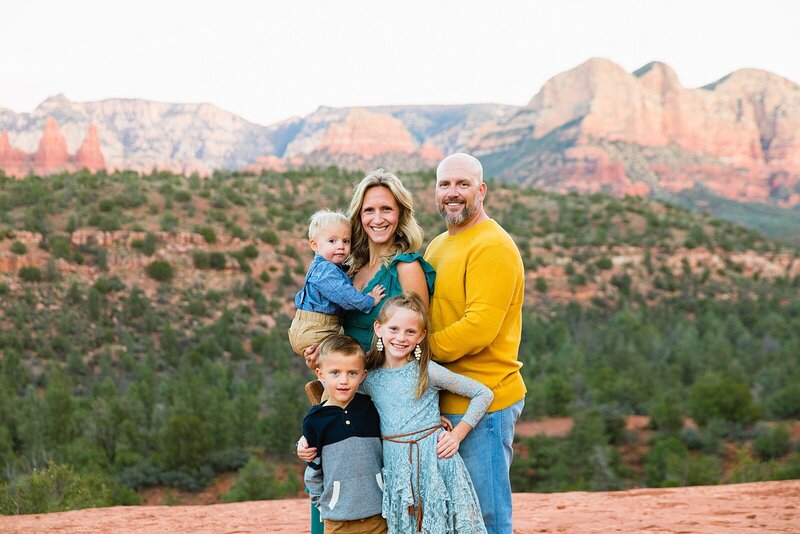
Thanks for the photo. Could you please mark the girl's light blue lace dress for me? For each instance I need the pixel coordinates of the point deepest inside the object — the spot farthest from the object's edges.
(449, 502)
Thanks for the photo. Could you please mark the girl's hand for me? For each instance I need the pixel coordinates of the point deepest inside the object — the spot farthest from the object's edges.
(447, 445)
(304, 452)
(446, 424)
(311, 354)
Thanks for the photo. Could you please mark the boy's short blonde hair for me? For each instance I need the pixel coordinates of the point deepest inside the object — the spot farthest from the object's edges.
(343, 345)
(323, 219)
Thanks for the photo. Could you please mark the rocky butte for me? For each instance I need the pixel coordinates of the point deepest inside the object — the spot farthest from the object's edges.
(51, 156)
(600, 128)
(593, 128)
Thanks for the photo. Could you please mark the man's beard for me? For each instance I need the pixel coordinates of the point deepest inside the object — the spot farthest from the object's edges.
(466, 213)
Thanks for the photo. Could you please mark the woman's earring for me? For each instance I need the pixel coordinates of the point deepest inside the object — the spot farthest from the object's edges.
(379, 345)
(417, 352)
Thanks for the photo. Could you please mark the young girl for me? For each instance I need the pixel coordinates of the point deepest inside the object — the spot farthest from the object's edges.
(426, 486)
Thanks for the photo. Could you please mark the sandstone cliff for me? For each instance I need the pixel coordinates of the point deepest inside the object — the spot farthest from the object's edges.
(51, 156)
(600, 128)
(593, 128)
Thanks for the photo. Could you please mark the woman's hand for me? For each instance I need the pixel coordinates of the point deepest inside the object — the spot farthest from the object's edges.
(304, 452)
(447, 445)
(311, 354)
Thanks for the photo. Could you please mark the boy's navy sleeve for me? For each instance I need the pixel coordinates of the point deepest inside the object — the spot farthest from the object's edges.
(313, 474)
(333, 284)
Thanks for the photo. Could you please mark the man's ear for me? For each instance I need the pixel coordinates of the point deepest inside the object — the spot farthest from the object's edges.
(363, 376)
(482, 189)
(319, 372)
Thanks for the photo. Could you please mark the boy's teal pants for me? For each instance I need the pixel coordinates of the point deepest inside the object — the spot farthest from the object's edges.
(317, 526)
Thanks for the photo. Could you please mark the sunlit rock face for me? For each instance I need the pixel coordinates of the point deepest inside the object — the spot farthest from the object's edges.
(600, 128)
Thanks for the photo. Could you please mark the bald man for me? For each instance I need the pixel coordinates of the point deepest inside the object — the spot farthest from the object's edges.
(476, 324)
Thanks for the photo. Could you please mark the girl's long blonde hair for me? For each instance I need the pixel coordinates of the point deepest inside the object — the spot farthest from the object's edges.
(409, 301)
(408, 236)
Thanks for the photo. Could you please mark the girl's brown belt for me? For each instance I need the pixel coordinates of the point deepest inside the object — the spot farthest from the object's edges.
(397, 438)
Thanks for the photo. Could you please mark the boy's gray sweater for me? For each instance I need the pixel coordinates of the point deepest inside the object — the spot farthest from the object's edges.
(345, 480)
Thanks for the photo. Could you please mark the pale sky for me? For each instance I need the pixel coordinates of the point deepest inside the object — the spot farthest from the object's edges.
(268, 61)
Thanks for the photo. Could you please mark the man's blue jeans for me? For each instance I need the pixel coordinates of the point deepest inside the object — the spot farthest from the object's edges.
(487, 452)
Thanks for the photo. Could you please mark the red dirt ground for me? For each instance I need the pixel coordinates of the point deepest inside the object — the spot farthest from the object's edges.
(742, 508)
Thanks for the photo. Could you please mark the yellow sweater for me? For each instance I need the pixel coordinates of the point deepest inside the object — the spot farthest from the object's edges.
(476, 311)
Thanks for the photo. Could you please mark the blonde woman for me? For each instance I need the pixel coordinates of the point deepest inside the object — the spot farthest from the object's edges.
(385, 241)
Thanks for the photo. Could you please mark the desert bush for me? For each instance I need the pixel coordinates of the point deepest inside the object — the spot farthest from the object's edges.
(30, 274)
(208, 234)
(216, 260)
(187, 442)
(773, 442)
(722, 398)
(18, 247)
(55, 488)
(255, 481)
(785, 403)
(269, 237)
(200, 259)
(147, 246)
(160, 271)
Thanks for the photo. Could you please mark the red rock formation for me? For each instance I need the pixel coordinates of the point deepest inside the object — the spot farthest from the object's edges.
(271, 163)
(624, 133)
(89, 155)
(368, 134)
(52, 153)
(12, 160)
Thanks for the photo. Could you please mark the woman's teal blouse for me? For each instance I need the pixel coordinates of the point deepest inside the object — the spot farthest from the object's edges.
(359, 325)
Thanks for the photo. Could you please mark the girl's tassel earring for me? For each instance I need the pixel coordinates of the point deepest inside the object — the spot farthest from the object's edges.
(379, 345)
(417, 352)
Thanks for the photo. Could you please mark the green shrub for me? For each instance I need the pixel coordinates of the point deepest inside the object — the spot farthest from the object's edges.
(169, 223)
(160, 271)
(55, 488)
(30, 274)
(666, 416)
(216, 260)
(662, 463)
(785, 403)
(208, 234)
(187, 442)
(108, 285)
(250, 251)
(200, 259)
(723, 399)
(59, 246)
(18, 247)
(269, 237)
(773, 442)
(541, 284)
(604, 263)
(256, 481)
(147, 245)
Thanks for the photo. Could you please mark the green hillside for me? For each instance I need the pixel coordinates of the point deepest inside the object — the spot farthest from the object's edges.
(143, 320)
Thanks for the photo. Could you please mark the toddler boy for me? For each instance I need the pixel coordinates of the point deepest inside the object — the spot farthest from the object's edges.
(327, 289)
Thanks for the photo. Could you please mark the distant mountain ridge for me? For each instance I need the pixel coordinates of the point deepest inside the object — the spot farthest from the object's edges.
(593, 128)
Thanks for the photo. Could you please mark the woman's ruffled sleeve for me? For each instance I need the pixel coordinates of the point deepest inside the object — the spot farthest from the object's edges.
(427, 268)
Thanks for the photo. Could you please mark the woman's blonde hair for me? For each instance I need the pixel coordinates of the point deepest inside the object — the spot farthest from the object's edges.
(408, 301)
(408, 236)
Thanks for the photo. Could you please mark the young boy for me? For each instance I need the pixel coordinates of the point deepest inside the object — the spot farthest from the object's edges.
(344, 480)
(327, 289)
